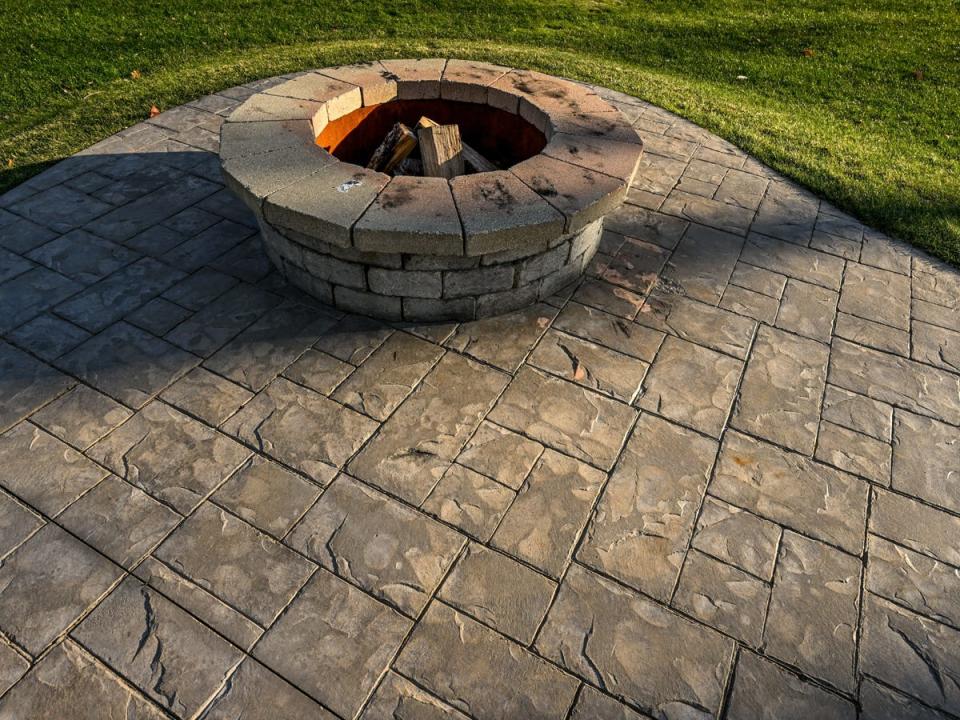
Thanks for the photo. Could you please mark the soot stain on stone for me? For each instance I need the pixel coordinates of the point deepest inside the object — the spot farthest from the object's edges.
(543, 186)
(397, 198)
(499, 194)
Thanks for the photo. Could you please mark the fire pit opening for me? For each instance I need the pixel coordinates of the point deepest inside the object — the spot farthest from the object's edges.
(503, 138)
(429, 189)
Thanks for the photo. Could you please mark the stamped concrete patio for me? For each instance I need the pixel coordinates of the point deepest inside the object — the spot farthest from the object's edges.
(719, 477)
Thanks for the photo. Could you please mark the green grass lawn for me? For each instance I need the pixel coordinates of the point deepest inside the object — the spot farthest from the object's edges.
(869, 116)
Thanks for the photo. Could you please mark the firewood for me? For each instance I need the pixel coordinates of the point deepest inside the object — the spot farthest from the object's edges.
(470, 156)
(396, 145)
(441, 151)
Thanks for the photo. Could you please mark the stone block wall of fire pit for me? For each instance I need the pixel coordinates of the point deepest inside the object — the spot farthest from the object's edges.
(425, 248)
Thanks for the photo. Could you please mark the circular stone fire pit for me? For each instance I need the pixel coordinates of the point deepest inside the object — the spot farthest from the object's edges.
(427, 248)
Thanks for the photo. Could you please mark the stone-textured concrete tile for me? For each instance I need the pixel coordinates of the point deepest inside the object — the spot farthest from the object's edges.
(918, 526)
(318, 371)
(388, 375)
(235, 562)
(922, 584)
(705, 210)
(377, 543)
(635, 649)
(609, 330)
(476, 670)
(613, 299)
(127, 220)
(158, 316)
(237, 628)
(259, 353)
(812, 622)
(703, 262)
(927, 312)
(200, 289)
(562, 415)
(118, 294)
(470, 501)
(636, 265)
(69, 682)
(758, 306)
(12, 667)
(855, 453)
(646, 225)
(119, 520)
(877, 295)
(42, 471)
(499, 592)
(699, 323)
(127, 364)
(207, 396)
(220, 321)
(16, 523)
(723, 597)
(21, 235)
(792, 490)
(936, 346)
(170, 456)
(921, 657)
(658, 174)
(857, 412)
(255, 693)
(763, 690)
(550, 512)
(737, 537)
(301, 428)
(835, 245)
(47, 584)
(204, 248)
(781, 390)
(593, 705)
(60, 208)
(808, 310)
(926, 459)
(354, 338)
(81, 416)
(31, 293)
(742, 189)
(758, 280)
(416, 445)
(25, 385)
(593, 366)
(47, 336)
(642, 526)
(333, 642)
(397, 697)
(786, 215)
(896, 381)
(503, 341)
(267, 495)
(872, 334)
(793, 261)
(691, 384)
(878, 702)
(886, 253)
(82, 257)
(167, 654)
(501, 454)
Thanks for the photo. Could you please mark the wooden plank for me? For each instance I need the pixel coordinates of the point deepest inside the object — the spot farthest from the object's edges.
(441, 151)
(470, 156)
(396, 146)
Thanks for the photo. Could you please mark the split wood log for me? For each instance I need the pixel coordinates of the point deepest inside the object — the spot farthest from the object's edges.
(472, 158)
(396, 146)
(441, 151)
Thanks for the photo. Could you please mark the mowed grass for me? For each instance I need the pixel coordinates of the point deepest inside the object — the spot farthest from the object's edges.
(857, 100)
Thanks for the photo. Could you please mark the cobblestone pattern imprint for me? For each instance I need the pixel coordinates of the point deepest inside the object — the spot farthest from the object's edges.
(718, 477)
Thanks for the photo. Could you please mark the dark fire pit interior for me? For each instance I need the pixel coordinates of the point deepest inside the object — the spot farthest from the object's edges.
(502, 137)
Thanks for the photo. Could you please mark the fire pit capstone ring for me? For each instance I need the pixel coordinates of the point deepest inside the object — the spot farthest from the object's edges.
(428, 248)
